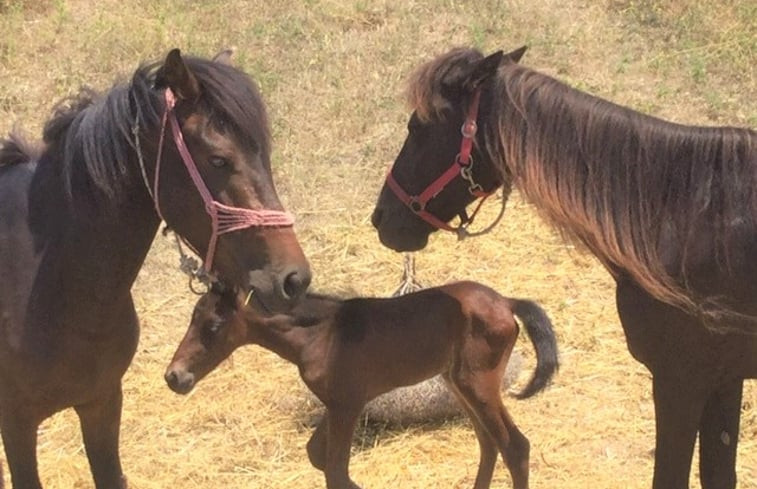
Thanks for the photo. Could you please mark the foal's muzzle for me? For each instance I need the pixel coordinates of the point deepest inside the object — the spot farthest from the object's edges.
(179, 380)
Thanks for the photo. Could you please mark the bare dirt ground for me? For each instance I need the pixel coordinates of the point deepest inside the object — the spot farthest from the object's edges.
(332, 74)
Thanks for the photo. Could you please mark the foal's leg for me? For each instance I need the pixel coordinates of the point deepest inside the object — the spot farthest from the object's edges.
(19, 432)
(100, 422)
(481, 391)
(341, 426)
(487, 445)
(718, 436)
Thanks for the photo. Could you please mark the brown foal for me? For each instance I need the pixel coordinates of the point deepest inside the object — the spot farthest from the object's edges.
(351, 351)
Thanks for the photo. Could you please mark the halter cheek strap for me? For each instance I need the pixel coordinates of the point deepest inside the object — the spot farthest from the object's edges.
(223, 218)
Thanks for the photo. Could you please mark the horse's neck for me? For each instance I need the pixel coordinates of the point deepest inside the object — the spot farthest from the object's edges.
(101, 251)
(287, 337)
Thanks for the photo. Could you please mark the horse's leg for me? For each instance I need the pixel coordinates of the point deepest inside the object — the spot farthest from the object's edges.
(481, 391)
(678, 410)
(718, 436)
(317, 446)
(341, 426)
(100, 423)
(19, 433)
(675, 349)
(487, 445)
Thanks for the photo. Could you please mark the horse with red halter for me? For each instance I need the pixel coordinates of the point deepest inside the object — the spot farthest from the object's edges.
(670, 210)
(351, 351)
(186, 140)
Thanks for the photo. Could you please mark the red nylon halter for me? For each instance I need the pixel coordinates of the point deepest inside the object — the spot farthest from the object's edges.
(461, 166)
(223, 218)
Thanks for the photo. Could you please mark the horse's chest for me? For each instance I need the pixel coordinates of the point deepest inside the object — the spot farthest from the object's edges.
(67, 369)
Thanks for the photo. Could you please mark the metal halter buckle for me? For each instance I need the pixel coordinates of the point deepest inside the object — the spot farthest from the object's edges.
(469, 128)
(415, 205)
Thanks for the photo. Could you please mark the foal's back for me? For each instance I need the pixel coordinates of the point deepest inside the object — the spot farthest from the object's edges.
(385, 343)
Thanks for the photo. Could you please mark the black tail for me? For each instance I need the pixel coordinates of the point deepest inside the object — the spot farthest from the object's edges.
(539, 330)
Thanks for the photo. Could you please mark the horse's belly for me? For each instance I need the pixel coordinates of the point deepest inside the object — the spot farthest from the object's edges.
(670, 342)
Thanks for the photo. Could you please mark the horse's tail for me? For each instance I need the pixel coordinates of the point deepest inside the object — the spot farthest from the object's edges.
(539, 330)
(15, 150)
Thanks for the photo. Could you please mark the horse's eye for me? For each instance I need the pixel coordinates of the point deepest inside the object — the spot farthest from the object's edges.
(218, 161)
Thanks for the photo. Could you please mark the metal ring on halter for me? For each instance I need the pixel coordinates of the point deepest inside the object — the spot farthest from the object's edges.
(464, 164)
(469, 128)
(416, 205)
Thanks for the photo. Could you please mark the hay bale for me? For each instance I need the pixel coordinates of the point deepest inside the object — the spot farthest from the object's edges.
(428, 401)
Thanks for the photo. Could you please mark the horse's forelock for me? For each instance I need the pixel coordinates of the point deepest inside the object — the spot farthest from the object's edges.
(234, 96)
(424, 89)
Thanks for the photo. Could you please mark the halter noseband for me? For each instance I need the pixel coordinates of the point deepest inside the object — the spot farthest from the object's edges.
(223, 218)
(462, 166)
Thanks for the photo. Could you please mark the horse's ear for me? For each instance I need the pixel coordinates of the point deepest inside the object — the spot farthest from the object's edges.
(482, 70)
(175, 74)
(224, 57)
(515, 56)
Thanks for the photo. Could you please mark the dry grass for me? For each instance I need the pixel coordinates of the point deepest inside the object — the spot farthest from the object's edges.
(332, 72)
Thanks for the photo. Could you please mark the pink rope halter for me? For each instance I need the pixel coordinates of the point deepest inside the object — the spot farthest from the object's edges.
(224, 218)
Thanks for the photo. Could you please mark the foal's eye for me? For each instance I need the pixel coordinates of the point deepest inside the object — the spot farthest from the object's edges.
(209, 333)
(218, 161)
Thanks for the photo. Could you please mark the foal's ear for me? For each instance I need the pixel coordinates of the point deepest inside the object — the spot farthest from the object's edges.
(224, 57)
(482, 70)
(175, 74)
(515, 56)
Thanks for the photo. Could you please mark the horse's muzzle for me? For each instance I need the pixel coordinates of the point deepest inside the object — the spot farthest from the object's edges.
(180, 381)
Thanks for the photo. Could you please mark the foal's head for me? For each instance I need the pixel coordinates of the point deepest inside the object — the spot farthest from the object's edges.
(440, 93)
(216, 330)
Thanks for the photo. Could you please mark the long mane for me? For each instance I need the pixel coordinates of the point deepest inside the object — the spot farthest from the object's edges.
(622, 182)
(615, 180)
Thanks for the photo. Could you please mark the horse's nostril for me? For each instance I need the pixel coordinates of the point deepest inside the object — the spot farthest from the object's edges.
(171, 378)
(295, 283)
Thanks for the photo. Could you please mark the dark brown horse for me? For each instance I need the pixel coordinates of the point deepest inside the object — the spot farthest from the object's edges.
(351, 351)
(670, 210)
(77, 218)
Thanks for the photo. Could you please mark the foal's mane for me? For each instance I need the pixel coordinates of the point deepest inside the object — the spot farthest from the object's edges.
(90, 135)
(615, 180)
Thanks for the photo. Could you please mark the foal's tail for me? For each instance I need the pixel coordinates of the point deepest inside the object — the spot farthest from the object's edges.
(539, 330)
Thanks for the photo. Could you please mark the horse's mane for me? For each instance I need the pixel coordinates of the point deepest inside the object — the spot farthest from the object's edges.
(93, 133)
(615, 180)
(621, 182)
(16, 149)
(425, 90)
